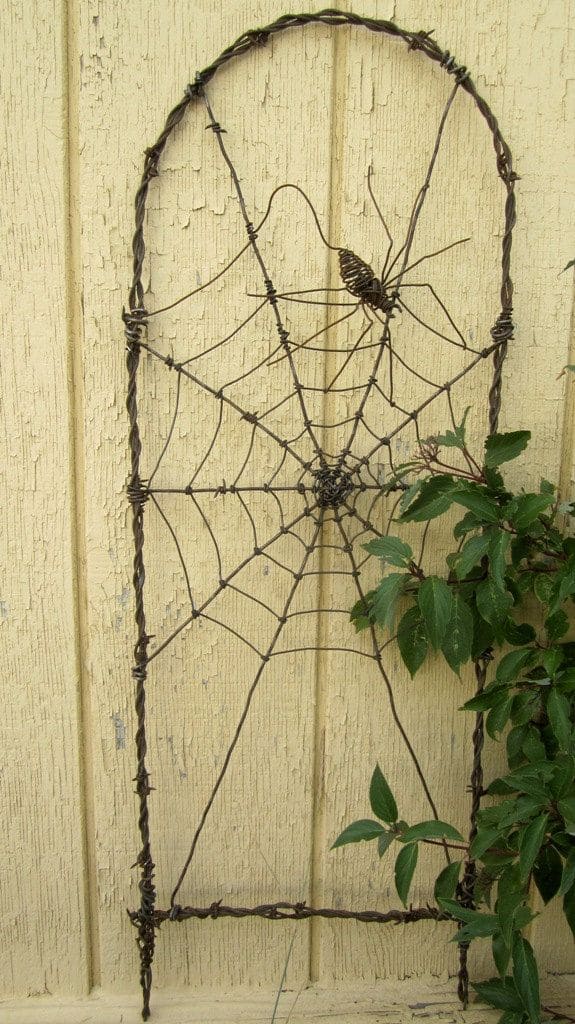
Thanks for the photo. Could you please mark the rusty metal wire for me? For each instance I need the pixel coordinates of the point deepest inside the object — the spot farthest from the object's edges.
(283, 911)
(329, 486)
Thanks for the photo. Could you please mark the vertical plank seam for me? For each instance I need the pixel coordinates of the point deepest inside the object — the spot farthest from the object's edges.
(318, 825)
(70, 51)
(567, 467)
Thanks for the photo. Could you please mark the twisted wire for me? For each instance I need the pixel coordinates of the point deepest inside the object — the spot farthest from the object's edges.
(284, 911)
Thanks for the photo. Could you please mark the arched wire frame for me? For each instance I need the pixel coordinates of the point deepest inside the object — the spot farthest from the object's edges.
(329, 485)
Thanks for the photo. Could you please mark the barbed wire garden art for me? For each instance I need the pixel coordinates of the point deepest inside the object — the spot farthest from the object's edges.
(339, 346)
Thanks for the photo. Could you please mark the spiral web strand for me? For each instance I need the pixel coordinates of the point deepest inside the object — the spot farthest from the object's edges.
(322, 495)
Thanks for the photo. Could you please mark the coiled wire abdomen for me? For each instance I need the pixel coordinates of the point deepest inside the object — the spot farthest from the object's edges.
(359, 279)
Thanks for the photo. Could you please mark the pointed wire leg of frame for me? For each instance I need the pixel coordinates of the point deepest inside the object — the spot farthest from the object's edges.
(445, 310)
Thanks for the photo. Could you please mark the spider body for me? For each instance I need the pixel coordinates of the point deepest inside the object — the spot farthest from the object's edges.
(360, 280)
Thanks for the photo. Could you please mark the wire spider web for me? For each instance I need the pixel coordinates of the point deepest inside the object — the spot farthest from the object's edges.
(304, 481)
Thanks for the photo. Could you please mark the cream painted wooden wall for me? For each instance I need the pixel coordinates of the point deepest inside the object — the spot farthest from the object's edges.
(86, 86)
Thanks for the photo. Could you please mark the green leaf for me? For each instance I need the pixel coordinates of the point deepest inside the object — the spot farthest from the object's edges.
(566, 807)
(556, 625)
(454, 438)
(566, 267)
(484, 634)
(497, 719)
(493, 604)
(499, 992)
(357, 831)
(526, 978)
(559, 714)
(384, 842)
(542, 587)
(566, 678)
(471, 554)
(473, 497)
(386, 597)
(510, 895)
(500, 448)
(519, 633)
(446, 882)
(533, 747)
(528, 507)
(412, 640)
(547, 872)
(408, 495)
(510, 666)
(568, 876)
(563, 775)
(458, 639)
(465, 525)
(501, 953)
(485, 838)
(530, 844)
(431, 830)
(523, 916)
(563, 586)
(511, 1017)
(391, 549)
(434, 498)
(477, 924)
(404, 867)
(494, 480)
(381, 798)
(514, 744)
(530, 780)
(435, 601)
(485, 926)
(499, 542)
(360, 613)
(492, 697)
(526, 704)
(552, 660)
(521, 549)
(449, 440)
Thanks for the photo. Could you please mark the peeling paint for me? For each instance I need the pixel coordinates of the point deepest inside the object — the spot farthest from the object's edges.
(119, 731)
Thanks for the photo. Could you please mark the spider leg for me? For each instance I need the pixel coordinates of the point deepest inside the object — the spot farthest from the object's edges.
(248, 244)
(317, 334)
(297, 188)
(429, 256)
(428, 326)
(421, 195)
(387, 342)
(382, 219)
(290, 297)
(350, 354)
(201, 287)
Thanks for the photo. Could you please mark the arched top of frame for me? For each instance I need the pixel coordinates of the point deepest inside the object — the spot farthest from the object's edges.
(416, 41)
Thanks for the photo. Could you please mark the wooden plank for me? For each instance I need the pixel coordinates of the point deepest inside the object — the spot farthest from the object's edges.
(389, 1003)
(44, 931)
(195, 697)
(390, 105)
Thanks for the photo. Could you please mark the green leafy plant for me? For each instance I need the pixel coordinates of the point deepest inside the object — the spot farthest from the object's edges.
(506, 600)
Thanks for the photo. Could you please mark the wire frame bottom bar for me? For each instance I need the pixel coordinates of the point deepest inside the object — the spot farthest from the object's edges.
(282, 911)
